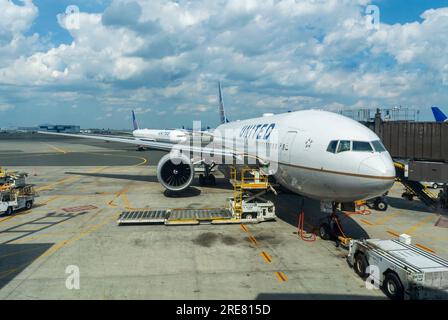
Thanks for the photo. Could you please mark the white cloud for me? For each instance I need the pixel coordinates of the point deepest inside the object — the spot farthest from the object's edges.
(270, 55)
(6, 106)
(16, 19)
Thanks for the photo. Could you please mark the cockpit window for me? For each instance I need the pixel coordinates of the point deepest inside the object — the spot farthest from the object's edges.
(362, 146)
(378, 146)
(344, 145)
(332, 146)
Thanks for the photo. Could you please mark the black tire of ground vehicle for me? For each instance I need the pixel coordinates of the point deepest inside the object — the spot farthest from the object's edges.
(29, 205)
(247, 216)
(9, 211)
(324, 231)
(381, 205)
(392, 286)
(435, 185)
(360, 265)
(201, 180)
(408, 196)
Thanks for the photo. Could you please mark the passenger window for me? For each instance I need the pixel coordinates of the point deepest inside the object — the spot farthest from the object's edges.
(332, 146)
(362, 146)
(344, 145)
(378, 146)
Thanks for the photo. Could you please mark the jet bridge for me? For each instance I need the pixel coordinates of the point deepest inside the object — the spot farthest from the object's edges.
(420, 152)
(414, 188)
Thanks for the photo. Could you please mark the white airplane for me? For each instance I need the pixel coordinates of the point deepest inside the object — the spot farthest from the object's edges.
(174, 135)
(317, 154)
(170, 136)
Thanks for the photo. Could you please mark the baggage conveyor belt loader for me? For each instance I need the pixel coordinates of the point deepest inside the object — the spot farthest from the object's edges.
(401, 270)
(246, 206)
(15, 193)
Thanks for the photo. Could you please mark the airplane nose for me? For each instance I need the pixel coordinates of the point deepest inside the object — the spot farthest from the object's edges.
(377, 175)
(377, 166)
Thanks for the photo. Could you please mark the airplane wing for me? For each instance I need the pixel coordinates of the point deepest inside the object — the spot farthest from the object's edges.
(186, 148)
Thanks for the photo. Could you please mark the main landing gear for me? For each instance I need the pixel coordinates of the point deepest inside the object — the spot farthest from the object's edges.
(207, 178)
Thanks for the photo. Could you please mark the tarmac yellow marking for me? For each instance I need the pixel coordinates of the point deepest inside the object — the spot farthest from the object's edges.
(7, 218)
(51, 185)
(88, 231)
(17, 252)
(386, 219)
(266, 256)
(29, 239)
(123, 156)
(253, 240)
(111, 204)
(16, 215)
(50, 200)
(281, 276)
(366, 222)
(141, 163)
(393, 233)
(121, 193)
(424, 248)
(126, 202)
(419, 224)
(56, 148)
(12, 270)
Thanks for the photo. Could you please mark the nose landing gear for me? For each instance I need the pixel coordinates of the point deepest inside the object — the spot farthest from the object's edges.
(331, 228)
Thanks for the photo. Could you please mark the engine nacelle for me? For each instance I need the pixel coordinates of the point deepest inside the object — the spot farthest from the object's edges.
(175, 173)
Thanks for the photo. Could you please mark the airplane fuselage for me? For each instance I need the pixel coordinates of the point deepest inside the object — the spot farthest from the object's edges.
(318, 154)
(169, 136)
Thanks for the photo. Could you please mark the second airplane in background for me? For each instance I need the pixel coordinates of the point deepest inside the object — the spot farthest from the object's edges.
(174, 136)
(170, 136)
(439, 115)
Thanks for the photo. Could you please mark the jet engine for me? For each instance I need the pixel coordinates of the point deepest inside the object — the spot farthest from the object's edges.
(175, 173)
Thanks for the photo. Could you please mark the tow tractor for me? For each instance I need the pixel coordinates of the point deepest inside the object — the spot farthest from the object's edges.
(402, 270)
(15, 193)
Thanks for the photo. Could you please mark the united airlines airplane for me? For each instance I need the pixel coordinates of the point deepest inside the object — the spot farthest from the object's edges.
(175, 135)
(317, 154)
(170, 136)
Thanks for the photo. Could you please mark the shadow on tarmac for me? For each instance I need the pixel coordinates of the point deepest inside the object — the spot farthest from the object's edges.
(14, 258)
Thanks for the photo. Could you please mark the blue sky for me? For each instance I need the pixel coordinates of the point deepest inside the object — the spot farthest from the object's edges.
(46, 23)
(405, 11)
(164, 58)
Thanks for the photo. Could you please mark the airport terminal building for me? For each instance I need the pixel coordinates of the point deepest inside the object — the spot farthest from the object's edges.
(60, 128)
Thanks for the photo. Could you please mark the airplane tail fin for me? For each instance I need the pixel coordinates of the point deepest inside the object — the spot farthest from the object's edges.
(134, 121)
(438, 114)
(222, 111)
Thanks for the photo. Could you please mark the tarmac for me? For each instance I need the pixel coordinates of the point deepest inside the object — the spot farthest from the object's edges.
(85, 185)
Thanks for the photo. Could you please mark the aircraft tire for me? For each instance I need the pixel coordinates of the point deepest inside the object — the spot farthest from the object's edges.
(324, 231)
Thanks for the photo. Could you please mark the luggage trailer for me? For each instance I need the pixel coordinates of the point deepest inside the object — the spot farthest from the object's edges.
(402, 270)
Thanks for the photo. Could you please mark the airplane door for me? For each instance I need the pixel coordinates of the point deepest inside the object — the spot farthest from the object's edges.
(286, 146)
